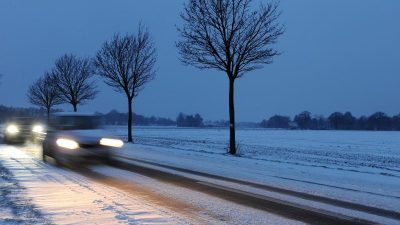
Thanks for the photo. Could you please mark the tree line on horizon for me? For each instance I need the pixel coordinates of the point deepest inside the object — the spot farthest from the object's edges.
(111, 118)
(378, 121)
(304, 121)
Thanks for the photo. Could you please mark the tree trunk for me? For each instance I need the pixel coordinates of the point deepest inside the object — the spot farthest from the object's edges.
(75, 107)
(232, 135)
(130, 120)
(48, 114)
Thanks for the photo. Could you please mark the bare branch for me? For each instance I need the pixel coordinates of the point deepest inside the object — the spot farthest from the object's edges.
(127, 63)
(227, 35)
(44, 94)
(72, 78)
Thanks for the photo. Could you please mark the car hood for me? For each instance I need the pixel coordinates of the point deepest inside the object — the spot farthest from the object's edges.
(86, 136)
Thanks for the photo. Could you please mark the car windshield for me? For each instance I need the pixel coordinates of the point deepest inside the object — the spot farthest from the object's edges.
(77, 122)
(22, 120)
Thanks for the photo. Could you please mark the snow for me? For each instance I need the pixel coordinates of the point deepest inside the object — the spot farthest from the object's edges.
(69, 198)
(347, 150)
(111, 196)
(354, 166)
(212, 210)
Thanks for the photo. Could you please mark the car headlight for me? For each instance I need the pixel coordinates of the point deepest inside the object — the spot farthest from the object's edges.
(12, 129)
(111, 142)
(38, 129)
(67, 143)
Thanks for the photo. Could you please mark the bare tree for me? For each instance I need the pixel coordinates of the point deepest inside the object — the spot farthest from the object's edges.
(43, 93)
(127, 63)
(227, 35)
(73, 79)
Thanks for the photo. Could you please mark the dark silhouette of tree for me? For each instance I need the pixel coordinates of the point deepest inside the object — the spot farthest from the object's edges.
(116, 118)
(127, 63)
(303, 120)
(227, 35)
(189, 120)
(72, 78)
(277, 121)
(349, 121)
(44, 94)
(180, 120)
(335, 120)
(319, 122)
(396, 122)
(379, 121)
(361, 123)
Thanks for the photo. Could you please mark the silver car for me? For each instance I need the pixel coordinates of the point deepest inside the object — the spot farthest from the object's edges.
(77, 137)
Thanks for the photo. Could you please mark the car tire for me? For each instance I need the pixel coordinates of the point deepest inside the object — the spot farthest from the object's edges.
(44, 152)
(6, 140)
(107, 159)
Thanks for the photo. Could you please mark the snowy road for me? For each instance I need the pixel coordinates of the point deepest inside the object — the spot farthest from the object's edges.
(131, 191)
(64, 197)
(106, 195)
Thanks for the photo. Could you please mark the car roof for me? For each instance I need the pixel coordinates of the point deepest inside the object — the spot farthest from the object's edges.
(23, 120)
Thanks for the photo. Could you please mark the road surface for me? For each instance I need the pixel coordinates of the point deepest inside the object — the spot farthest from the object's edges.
(129, 191)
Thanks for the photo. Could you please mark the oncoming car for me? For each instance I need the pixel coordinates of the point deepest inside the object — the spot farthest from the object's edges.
(21, 129)
(78, 137)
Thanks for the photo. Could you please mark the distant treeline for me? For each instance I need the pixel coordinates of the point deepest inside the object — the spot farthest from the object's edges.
(336, 121)
(189, 120)
(116, 118)
(304, 120)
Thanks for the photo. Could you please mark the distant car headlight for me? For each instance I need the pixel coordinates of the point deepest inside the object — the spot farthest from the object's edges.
(111, 142)
(12, 129)
(38, 129)
(67, 143)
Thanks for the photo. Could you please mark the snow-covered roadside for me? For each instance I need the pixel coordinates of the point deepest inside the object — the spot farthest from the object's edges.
(114, 196)
(209, 209)
(361, 188)
(15, 208)
(64, 197)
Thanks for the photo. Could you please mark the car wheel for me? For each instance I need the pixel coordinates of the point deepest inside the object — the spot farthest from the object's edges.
(107, 159)
(44, 152)
(6, 140)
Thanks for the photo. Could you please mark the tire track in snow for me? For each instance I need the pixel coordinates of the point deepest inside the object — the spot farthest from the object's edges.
(69, 198)
(344, 204)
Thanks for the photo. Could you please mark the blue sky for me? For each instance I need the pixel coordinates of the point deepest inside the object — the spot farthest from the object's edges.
(338, 55)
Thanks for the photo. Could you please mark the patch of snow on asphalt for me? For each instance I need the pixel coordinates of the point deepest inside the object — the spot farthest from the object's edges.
(15, 208)
(67, 197)
(210, 209)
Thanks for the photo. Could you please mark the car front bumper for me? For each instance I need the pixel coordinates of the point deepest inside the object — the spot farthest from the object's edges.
(83, 153)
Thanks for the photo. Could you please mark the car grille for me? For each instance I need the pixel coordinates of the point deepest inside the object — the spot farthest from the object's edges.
(89, 145)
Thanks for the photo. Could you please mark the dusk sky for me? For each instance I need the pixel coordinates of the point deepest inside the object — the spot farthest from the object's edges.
(337, 55)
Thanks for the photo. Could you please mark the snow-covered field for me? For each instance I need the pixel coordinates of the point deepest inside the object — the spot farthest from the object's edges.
(354, 166)
(363, 151)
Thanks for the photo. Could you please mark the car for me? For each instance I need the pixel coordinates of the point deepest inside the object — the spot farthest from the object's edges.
(77, 137)
(22, 129)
